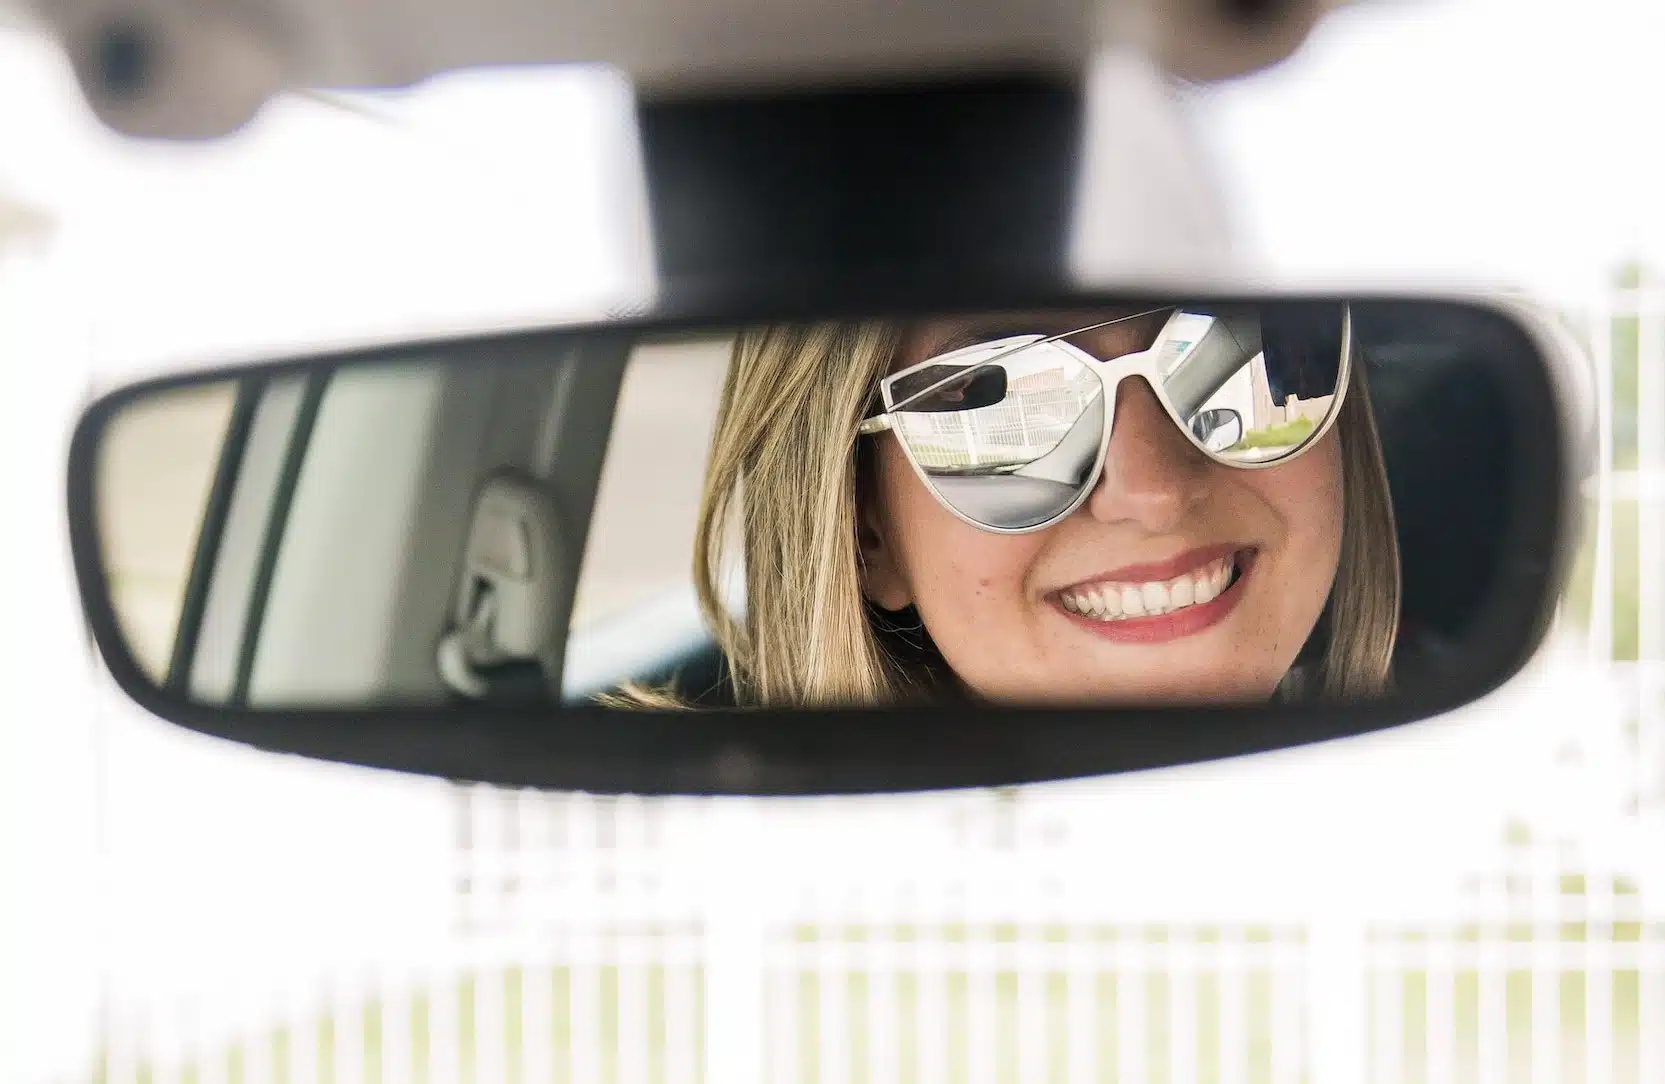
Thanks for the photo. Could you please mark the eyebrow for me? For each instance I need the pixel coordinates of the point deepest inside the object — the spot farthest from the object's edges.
(971, 336)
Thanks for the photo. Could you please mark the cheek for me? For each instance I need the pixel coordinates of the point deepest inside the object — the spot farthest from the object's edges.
(1308, 497)
(950, 566)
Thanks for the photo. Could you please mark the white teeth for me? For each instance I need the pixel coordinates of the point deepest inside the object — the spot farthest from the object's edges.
(1155, 596)
(1112, 601)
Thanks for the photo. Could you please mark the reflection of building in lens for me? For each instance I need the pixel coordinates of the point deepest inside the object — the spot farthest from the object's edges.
(1269, 428)
(1267, 412)
(1313, 410)
(1172, 351)
(1041, 380)
(1264, 410)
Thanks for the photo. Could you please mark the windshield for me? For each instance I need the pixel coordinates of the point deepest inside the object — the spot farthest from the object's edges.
(1481, 898)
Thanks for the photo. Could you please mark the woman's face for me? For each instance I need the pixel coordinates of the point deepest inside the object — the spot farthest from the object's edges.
(1241, 561)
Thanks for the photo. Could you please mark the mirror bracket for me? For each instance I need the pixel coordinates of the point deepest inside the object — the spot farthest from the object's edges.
(771, 200)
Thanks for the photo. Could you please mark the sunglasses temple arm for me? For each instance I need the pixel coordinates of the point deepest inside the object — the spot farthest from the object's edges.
(878, 423)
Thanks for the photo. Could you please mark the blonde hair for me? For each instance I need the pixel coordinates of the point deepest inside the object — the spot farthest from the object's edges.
(787, 470)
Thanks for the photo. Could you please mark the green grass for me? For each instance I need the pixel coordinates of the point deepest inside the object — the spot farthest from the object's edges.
(1275, 436)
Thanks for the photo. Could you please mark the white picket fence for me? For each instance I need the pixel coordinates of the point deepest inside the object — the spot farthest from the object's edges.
(949, 941)
(986, 964)
(726, 950)
(1643, 490)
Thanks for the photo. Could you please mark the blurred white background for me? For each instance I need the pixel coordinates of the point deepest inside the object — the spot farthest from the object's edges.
(1465, 140)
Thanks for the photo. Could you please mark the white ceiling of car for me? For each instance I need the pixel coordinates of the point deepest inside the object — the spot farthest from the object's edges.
(210, 64)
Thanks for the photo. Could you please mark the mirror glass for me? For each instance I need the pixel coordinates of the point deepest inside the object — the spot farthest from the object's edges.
(1126, 503)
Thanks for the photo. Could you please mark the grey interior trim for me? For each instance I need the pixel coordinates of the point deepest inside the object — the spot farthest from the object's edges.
(231, 587)
(542, 465)
(1230, 342)
(326, 625)
(277, 531)
(490, 416)
(200, 576)
(586, 397)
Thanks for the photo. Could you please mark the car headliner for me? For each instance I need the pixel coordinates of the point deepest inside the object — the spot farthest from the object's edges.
(222, 59)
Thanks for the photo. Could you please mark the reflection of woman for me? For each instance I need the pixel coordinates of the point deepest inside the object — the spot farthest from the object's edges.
(883, 566)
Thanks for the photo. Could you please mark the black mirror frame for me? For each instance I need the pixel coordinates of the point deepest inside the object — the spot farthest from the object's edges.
(871, 749)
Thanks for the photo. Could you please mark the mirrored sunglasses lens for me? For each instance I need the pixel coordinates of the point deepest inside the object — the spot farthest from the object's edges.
(1007, 444)
(1254, 385)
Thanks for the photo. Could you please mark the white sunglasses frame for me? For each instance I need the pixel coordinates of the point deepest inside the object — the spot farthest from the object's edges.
(1111, 373)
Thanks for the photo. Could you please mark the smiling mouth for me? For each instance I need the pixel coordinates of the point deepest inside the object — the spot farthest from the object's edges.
(1115, 601)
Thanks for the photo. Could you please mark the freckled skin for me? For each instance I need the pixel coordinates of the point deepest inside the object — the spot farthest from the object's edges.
(986, 598)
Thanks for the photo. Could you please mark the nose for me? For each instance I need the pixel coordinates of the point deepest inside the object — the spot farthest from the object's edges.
(1153, 476)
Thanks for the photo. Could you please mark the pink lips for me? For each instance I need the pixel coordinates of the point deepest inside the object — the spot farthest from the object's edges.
(1178, 624)
(1154, 571)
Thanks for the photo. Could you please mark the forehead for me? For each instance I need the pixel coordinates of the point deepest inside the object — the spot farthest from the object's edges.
(936, 335)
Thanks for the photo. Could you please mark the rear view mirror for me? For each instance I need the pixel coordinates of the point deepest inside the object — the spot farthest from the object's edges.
(879, 554)
(1218, 429)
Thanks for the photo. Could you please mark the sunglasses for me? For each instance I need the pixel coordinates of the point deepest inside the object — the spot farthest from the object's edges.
(1011, 434)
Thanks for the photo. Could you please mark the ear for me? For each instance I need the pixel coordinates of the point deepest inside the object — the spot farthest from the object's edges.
(883, 581)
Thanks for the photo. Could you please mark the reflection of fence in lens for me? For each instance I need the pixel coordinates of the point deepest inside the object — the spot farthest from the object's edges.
(1021, 428)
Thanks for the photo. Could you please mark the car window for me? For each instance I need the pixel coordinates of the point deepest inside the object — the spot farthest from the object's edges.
(156, 470)
(641, 541)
